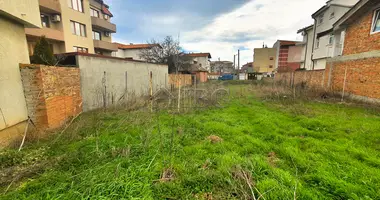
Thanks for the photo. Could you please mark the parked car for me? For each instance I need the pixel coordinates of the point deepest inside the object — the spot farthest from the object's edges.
(226, 77)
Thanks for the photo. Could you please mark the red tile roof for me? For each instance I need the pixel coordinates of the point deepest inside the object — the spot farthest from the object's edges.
(198, 55)
(106, 11)
(137, 46)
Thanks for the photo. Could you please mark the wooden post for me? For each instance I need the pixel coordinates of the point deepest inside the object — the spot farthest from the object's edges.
(151, 90)
(179, 93)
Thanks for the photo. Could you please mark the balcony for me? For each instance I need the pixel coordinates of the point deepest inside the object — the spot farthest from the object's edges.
(50, 6)
(99, 44)
(49, 33)
(103, 25)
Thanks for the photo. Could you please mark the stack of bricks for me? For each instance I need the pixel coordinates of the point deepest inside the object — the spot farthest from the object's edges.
(52, 94)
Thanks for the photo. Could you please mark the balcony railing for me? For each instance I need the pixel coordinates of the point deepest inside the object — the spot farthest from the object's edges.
(50, 6)
(99, 44)
(103, 24)
(49, 33)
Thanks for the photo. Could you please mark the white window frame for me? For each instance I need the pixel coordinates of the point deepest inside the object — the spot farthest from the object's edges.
(331, 40)
(376, 16)
(76, 5)
(80, 49)
(94, 34)
(93, 11)
(78, 29)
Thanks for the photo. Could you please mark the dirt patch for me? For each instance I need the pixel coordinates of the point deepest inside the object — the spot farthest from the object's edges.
(167, 175)
(214, 139)
(272, 159)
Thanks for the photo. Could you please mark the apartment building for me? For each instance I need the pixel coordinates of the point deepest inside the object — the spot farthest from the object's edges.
(265, 60)
(288, 56)
(325, 44)
(74, 26)
(15, 15)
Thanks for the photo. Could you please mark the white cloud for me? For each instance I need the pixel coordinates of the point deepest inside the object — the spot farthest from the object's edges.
(250, 25)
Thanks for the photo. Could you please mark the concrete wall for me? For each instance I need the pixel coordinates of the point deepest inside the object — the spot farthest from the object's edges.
(68, 15)
(13, 50)
(117, 78)
(262, 60)
(295, 54)
(25, 12)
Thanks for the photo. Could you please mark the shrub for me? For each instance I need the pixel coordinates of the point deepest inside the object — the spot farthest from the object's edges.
(43, 54)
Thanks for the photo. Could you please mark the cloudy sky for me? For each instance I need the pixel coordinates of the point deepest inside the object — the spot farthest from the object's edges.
(220, 27)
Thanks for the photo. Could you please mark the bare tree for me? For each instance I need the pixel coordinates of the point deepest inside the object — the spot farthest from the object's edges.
(167, 51)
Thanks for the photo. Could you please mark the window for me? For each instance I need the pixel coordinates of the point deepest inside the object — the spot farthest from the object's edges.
(376, 22)
(320, 19)
(45, 21)
(270, 66)
(80, 49)
(78, 29)
(332, 15)
(106, 17)
(331, 39)
(76, 5)
(94, 13)
(271, 58)
(96, 35)
(317, 43)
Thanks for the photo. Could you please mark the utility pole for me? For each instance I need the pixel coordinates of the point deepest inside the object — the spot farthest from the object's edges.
(239, 64)
(234, 62)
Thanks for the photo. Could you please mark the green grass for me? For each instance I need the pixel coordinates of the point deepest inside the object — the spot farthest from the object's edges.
(324, 150)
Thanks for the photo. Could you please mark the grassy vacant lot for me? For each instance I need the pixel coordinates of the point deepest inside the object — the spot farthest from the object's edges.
(273, 149)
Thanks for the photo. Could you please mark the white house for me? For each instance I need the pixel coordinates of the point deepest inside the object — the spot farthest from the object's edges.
(132, 50)
(307, 44)
(201, 59)
(324, 44)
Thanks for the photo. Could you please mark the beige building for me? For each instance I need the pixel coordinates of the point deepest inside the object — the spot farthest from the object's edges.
(201, 59)
(15, 16)
(74, 25)
(265, 60)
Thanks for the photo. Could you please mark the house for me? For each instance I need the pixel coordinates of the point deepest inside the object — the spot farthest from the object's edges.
(197, 70)
(222, 67)
(265, 60)
(359, 65)
(307, 47)
(246, 72)
(15, 16)
(201, 59)
(323, 40)
(133, 51)
(74, 26)
(288, 55)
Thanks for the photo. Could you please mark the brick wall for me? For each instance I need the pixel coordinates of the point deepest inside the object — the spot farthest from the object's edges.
(183, 79)
(52, 94)
(358, 38)
(360, 77)
(315, 78)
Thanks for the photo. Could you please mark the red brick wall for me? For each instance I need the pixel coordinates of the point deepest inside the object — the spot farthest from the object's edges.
(359, 38)
(362, 77)
(314, 78)
(59, 91)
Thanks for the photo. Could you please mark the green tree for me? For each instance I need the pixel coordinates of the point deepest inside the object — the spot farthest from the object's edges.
(43, 54)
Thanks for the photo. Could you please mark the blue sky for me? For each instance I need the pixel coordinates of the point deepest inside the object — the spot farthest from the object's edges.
(216, 26)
